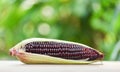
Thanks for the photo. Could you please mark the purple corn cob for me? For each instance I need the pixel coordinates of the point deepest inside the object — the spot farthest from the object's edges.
(63, 50)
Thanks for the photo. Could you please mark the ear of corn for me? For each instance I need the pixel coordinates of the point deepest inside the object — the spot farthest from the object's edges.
(55, 51)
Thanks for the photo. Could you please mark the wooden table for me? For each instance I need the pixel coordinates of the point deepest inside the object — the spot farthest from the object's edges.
(17, 66)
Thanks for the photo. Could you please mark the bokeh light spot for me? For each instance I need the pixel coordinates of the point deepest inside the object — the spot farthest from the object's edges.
(28, 29)
(96, 7)
(28, 4)
(47, 11)
(44, 29)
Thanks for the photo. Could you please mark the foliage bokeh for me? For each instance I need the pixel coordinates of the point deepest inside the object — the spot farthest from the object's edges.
(92, 22)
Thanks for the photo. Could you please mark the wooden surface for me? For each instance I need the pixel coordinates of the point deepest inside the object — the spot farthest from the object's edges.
(17, 66)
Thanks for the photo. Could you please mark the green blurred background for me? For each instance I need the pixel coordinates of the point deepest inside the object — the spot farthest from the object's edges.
(92, 22)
